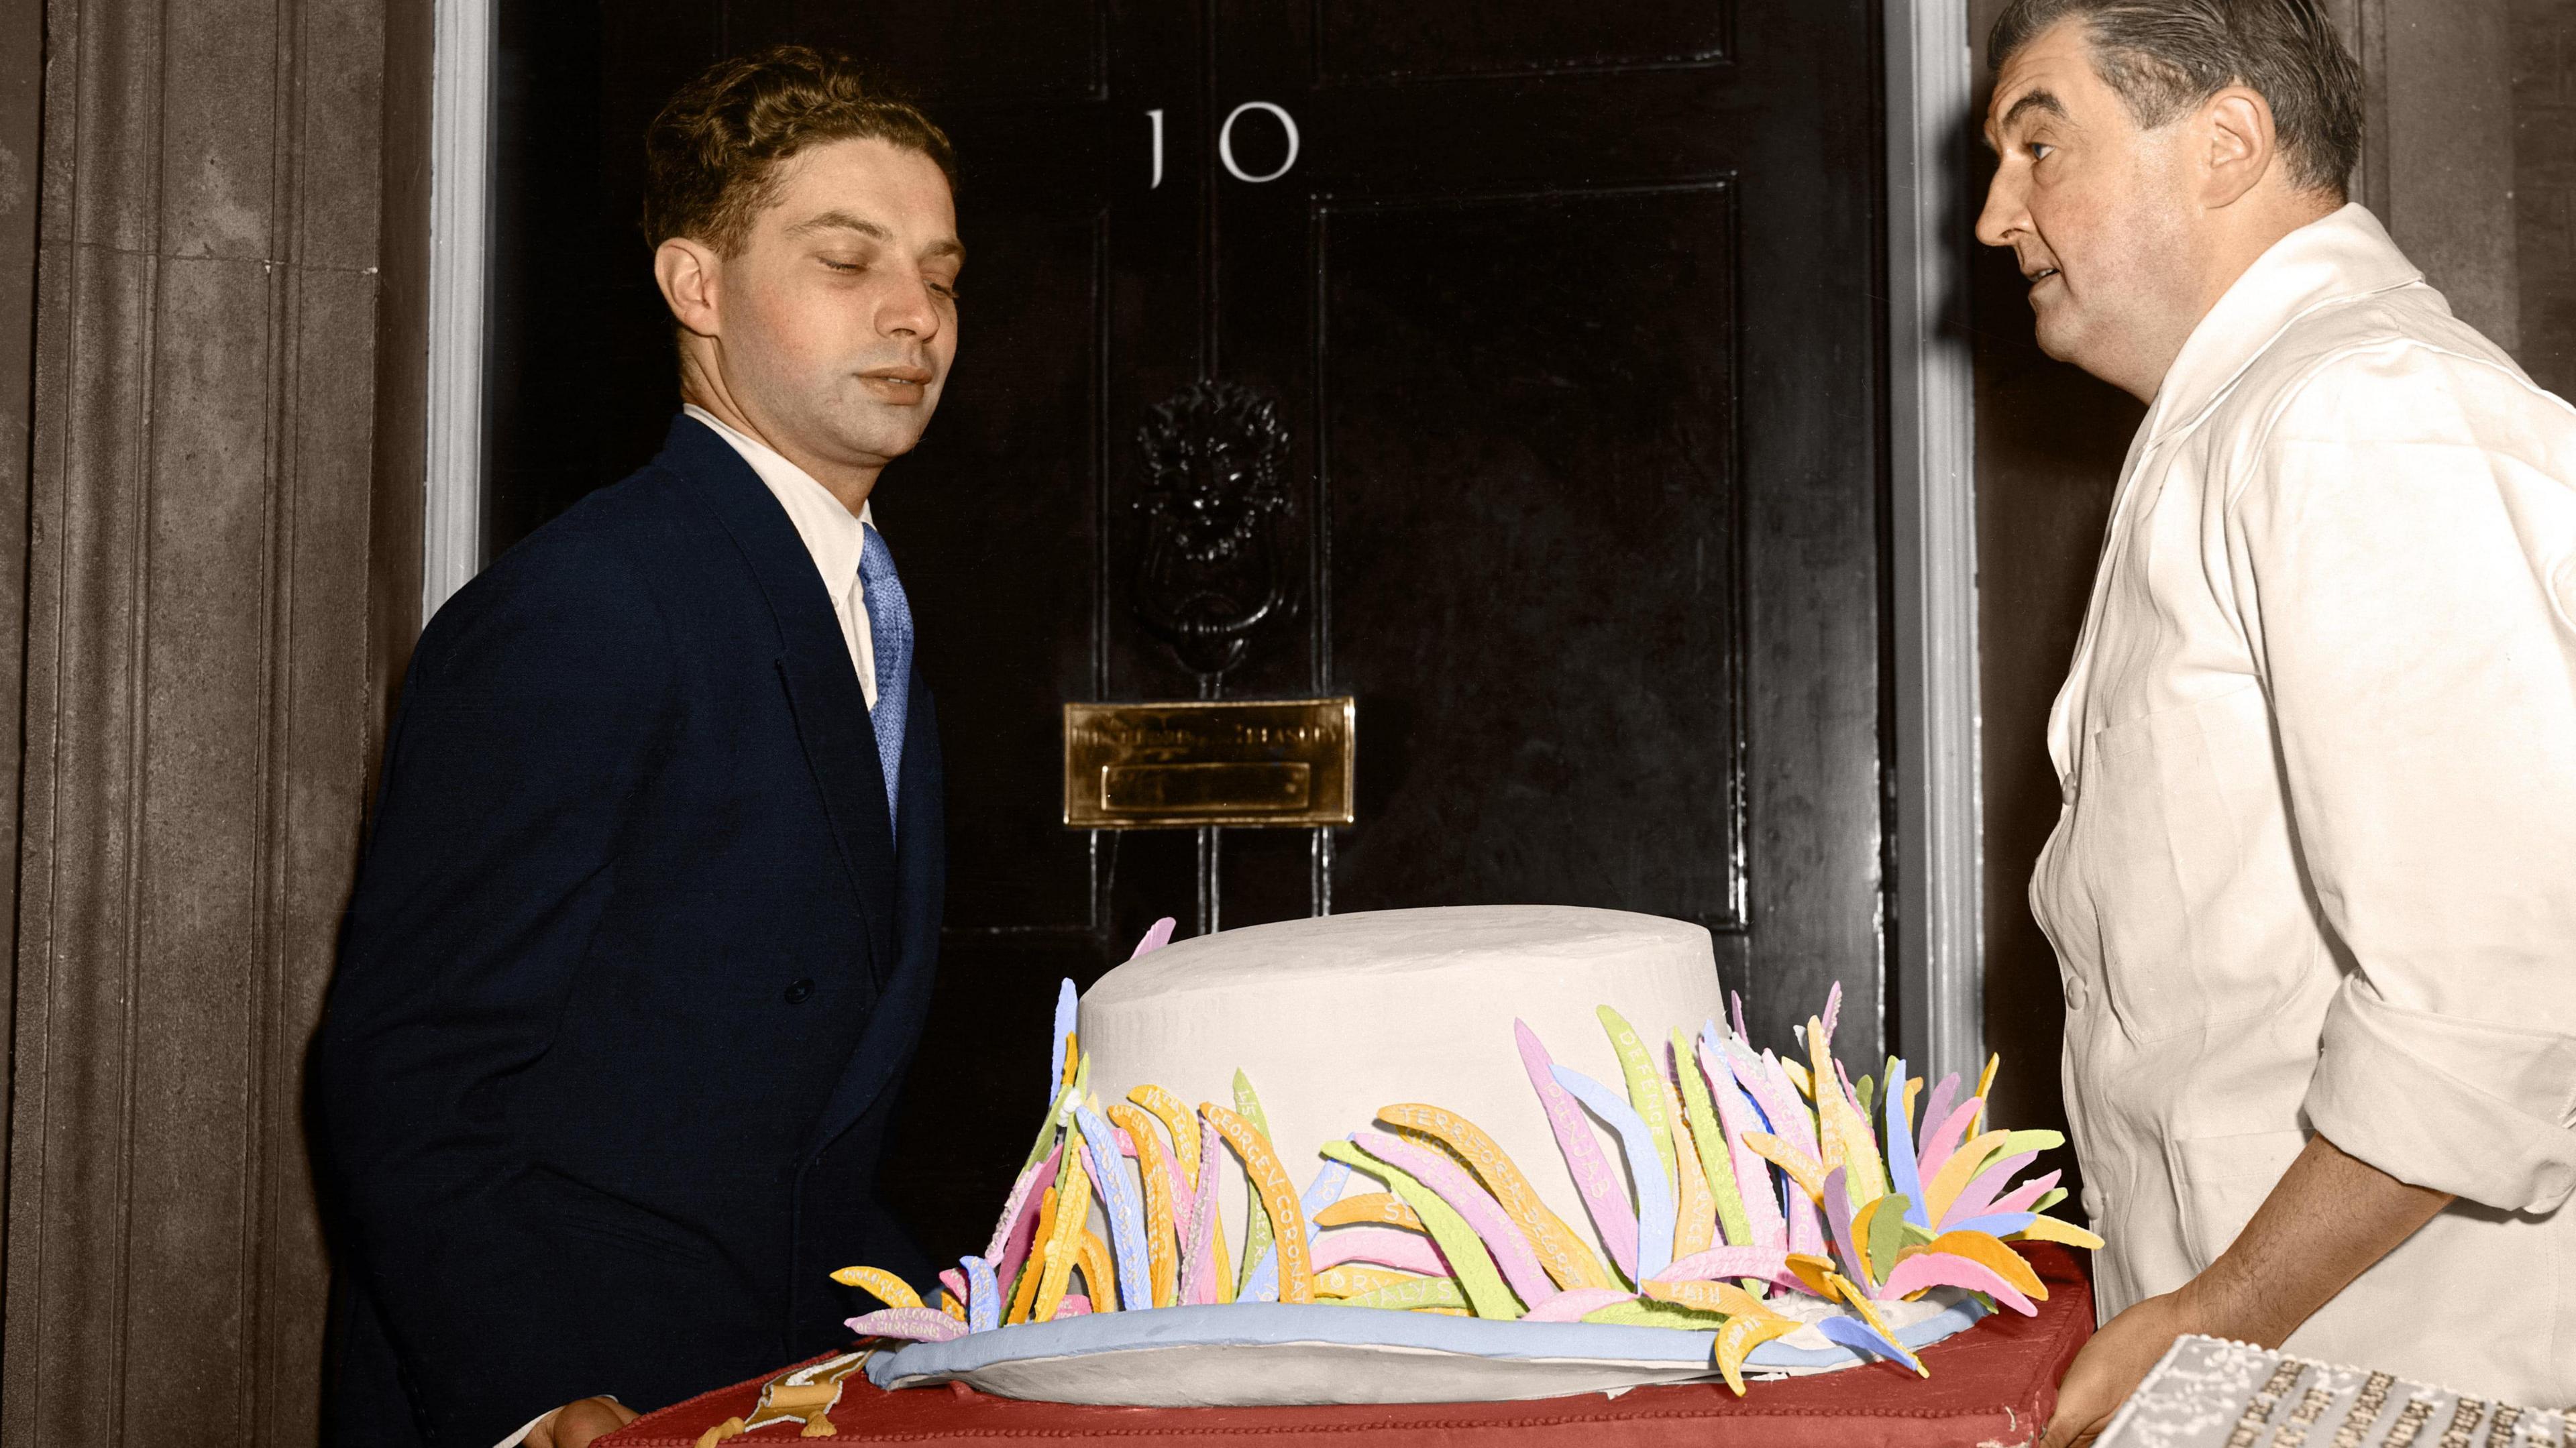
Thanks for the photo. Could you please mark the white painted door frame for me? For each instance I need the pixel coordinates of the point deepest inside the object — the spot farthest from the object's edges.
(460, 210)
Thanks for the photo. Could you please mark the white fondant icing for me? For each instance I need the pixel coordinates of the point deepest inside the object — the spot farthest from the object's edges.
(1333, 1018)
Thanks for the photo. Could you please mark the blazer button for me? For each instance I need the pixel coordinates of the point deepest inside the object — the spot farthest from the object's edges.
(2066, 788)
(797, 993)
(2078, 995)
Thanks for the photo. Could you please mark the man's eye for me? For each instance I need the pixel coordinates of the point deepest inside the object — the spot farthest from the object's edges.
(2039, 150)
(944, 289)
(845, 266)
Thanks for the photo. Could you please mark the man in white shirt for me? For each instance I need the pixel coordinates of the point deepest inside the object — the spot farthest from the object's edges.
(645, 933)
(2313, 891)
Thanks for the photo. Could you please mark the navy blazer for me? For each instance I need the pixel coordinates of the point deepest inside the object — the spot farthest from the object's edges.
(633, 969)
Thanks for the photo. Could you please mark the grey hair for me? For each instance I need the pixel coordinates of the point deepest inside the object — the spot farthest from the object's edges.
(2165, 57)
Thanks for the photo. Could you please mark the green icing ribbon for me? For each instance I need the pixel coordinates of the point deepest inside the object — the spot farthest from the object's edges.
(1708, 1139)
(1645, 1089)
(1486, 1293)
(1258, 1234)
(1646, 1313)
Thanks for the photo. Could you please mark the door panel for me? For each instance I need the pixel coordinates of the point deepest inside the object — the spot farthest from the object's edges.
(1564, 311)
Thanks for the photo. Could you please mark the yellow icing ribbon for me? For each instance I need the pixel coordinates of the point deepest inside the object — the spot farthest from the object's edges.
(2049, 1229)
(1695, 1213)
(1162, 1230)
(1099, 1271)
(1353, 1278)
(1817, 1272)
(1708, 1140)
(1370, 1209)
(1803, 1169)
(1568, 1262)
(1985, 1093)
(1957, 1172)
(1258, 1226)
(1990, 1253)
(1797, 1074)
(1913, 1090)
(1063, 1246)
(1741, 1335)
(949, 1304)
(1278, 1200)
(1177, 1120)
(887, 1288)
(1844, 1136)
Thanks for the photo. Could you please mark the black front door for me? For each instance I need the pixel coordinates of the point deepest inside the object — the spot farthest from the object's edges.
(1542, 337)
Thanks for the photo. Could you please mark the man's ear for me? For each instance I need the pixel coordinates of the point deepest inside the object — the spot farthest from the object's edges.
(2236, 128)
(688, 272)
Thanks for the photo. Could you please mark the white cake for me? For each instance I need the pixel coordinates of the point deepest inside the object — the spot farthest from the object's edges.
(1333, 1018)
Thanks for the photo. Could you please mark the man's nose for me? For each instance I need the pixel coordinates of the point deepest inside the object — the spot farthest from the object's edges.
(909, 311)
(2004, 213)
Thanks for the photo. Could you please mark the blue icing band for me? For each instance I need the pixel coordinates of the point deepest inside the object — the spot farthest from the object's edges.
(1645, 1168)
(1322, 1192)
(1118, 1195)
(1258, 1324)
(983, 1295)
(1904, 1178)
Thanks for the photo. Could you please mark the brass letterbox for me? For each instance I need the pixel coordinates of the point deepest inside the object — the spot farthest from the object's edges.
(1227, 762)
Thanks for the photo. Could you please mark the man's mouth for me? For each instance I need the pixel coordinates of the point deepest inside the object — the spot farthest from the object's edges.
(897, 384)
(2040, 274)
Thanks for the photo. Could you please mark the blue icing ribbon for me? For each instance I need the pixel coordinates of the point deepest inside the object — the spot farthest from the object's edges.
(1994, 1224)
(983, 1295)
(1066, 999)
(1855, 1334)
(1121, 1199)
(1904, 1177)
(1645, 1168)
(1322, 1192)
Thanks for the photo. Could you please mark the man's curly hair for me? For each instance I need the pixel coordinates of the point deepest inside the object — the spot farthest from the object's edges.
(711, 157)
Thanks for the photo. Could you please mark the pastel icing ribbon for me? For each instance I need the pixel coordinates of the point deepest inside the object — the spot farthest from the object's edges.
(1978, 1197)
(920, 1324)
(1018, 1230)
(1654, 1193)
(1377, 1209)
(1575, 1303)
(1645, 1086)
(1942, 1269)
(1119, 1201)
(1752, 1173)
(1277, 1198)
(1177, 1120)
(1156, 936)
(1771, 1264)
(1492, 1226)
(1481, 1286)
(1258, 1228)
(1742, 1335)
(1612, 1216)
(1563, 1254)
(1955, 1172)
(2025, 1198)
(1385, 1246)
(1902, 1178)
(1320, 1192)
(1694, 1211)
(1416, 1295)
(983, 1295)
(1708, 1138)
(1156, 1178)
(1067, 1012)
(887, 1288)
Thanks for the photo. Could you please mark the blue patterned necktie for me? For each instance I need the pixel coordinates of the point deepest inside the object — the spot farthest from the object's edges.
(890, 638)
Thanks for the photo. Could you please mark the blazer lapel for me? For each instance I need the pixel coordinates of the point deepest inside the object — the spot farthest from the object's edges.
(814, 668)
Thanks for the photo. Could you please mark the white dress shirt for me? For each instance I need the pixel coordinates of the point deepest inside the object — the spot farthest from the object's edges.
(831, 535)
(2316, 866)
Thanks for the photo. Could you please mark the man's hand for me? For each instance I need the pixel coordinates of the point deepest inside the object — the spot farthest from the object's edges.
(574, 1425)
(2112, 1365)
(2328, 1219)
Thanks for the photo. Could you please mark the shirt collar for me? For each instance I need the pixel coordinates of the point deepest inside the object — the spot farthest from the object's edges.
(831, 535)
(2333, 259)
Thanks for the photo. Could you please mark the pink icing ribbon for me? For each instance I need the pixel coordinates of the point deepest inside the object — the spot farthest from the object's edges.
(2019, 1199)
(1977, 1198)
(1946, 1139)
(920, 1324)
(1936, 1108)
(1603, 1196)
(1771, 1264)
(1010, 1245)
(1947, 1269)
(1385, 1246)
(1753, 1181)
(1529, 1281)
(1198, 1251)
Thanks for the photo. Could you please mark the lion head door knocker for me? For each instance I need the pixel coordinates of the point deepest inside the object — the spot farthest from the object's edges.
(1216, 458)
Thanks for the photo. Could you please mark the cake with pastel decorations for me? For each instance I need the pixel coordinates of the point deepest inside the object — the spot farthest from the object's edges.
(1463, 1154)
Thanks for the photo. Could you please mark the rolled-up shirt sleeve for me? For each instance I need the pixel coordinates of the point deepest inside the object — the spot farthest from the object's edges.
(2402, 550)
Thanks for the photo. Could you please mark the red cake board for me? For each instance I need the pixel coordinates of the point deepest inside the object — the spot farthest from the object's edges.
(1993, 1384)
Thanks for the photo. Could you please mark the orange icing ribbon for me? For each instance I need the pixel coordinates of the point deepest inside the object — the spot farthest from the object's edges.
(1353, 1278)
(1370, 1209)
(1099, 1272)
(1162, 1233)
(1177, 1120)
(1741, 1336)
(887, 1288)
(1278, 1199)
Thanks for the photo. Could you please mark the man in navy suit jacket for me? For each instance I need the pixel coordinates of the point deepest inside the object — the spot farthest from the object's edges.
(645, 932)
